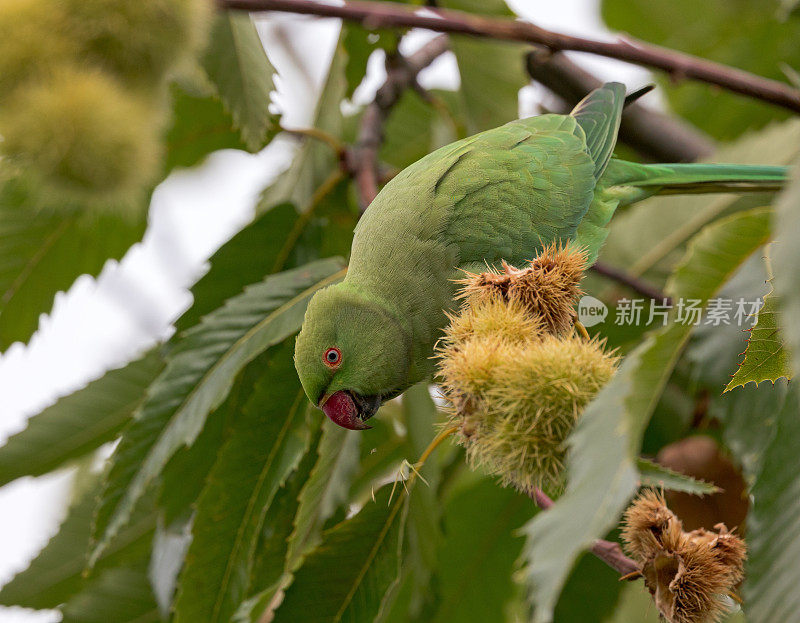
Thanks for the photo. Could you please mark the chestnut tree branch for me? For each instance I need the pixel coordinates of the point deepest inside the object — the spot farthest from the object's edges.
(607, 551)
(677, 64)
(401, 74)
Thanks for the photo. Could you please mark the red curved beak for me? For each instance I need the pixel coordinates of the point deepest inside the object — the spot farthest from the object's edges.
(342, 410)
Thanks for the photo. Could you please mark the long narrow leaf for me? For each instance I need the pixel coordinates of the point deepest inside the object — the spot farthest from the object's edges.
(79, 422)
(57, 573)
(654, 475)
(480, 551)
(198, 377)
(184, 477)
(425, 507)
(237, 64)
(350, 576)
(121, 595)
(43, 253)
(325, 488)
(266, 445)
(270, 562)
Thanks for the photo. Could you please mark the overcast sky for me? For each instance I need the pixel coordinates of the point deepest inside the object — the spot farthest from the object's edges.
(105, 322)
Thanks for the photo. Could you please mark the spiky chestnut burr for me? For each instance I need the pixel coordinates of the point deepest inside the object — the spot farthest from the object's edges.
(139, 42)
(687, 573)
(81, 136)
(548, 287)
(516, 403)
(33, 42)
(517, 382)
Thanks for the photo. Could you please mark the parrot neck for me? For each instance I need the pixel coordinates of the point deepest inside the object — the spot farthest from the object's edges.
(418, 308)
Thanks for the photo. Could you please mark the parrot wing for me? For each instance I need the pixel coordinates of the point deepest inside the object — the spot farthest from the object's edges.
(599, 115)
(511, 190)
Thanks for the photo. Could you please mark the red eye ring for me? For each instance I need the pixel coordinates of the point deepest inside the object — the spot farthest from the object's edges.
(332, 357)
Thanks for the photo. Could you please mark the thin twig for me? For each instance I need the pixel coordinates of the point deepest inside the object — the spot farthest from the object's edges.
(677, 64)
(607, 551)
(401, 74)
(320, 135)
(443, 434)
(326, 188)
(634, 283)
(654, 135)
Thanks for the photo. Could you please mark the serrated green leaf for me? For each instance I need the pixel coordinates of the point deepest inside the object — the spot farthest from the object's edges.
(595, 494)
(654, 475)
(314, 161)
(79, 422)
(57, 572)
(761, 427)
(43, 252)
(786, 260)
(320, 496)
(184, 477)
(350, 576)
(715, 350)
(200, 126)
(273, 545)
(605, 444)
(492, 72)
(246, 258)
(765, 358)
(265, 446)
(479, 552)
(236, 63)
(325, 489)
(121, 595)
(200, 372)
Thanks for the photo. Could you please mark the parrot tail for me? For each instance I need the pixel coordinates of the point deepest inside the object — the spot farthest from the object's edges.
(642, 180)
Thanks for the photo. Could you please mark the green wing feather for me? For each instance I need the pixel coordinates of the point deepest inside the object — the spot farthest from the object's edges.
(517, 188)
(599, 115)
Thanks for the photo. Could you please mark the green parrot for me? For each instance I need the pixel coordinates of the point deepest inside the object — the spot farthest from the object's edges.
(499, 195)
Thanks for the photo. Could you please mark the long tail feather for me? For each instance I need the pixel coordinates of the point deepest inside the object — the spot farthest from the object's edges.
(694, 178)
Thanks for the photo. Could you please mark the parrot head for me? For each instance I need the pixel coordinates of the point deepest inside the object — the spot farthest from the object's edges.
(351, 355)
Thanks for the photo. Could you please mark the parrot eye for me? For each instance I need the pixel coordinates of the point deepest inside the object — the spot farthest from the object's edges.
(332, 357)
